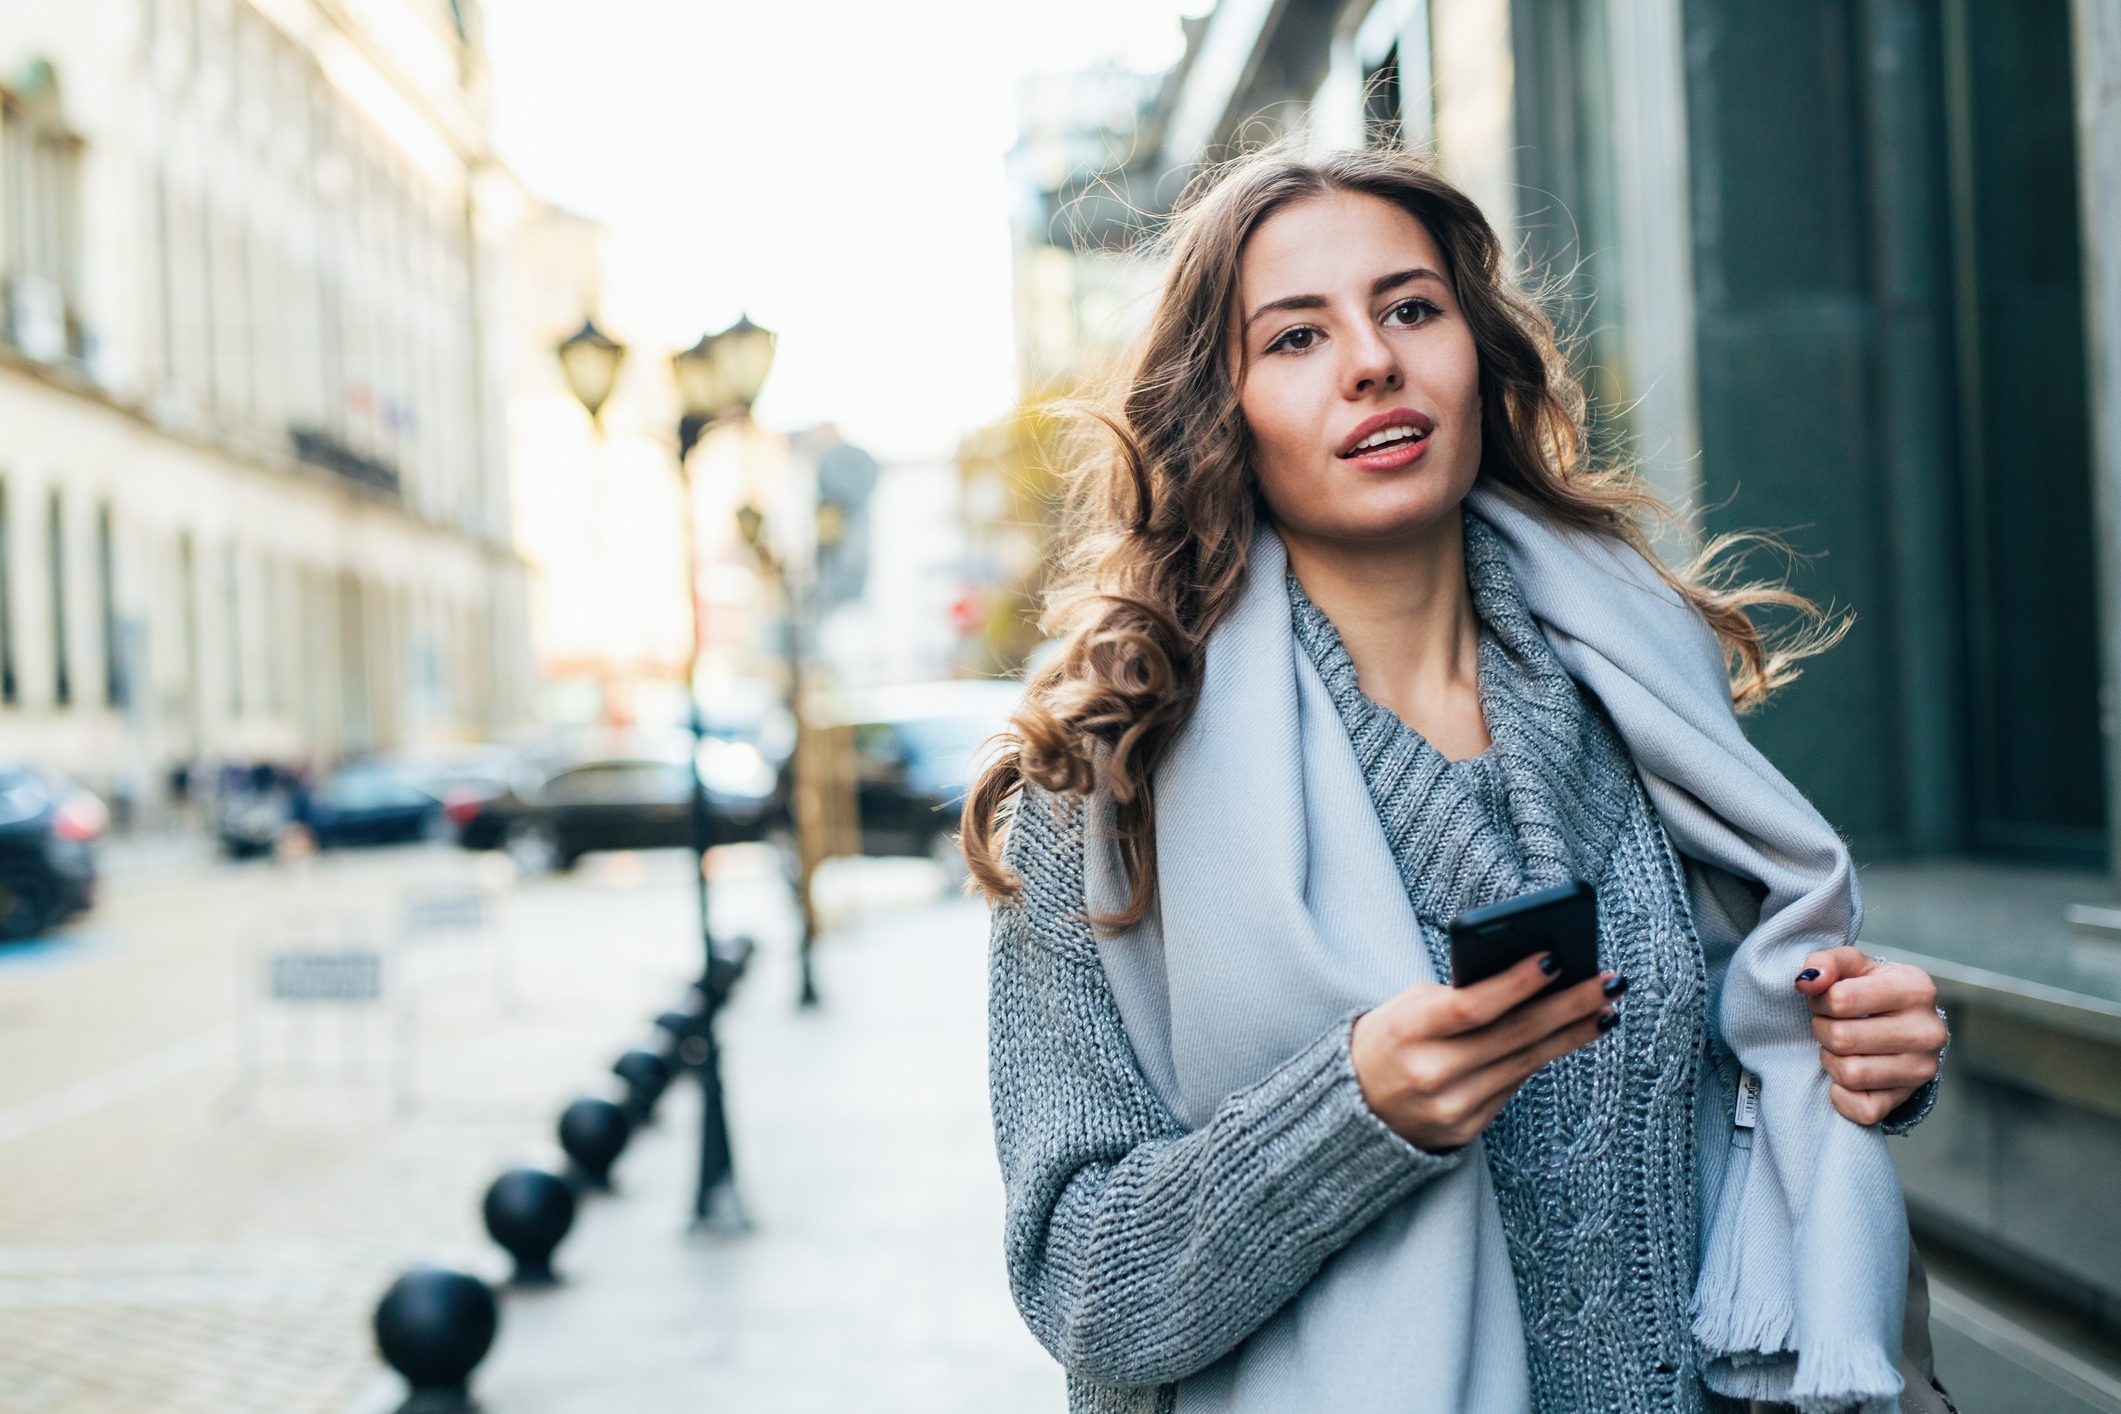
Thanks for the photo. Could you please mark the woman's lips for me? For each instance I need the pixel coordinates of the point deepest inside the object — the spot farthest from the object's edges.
(1391, 458)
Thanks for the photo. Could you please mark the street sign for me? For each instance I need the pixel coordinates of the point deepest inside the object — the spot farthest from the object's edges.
(346, 975)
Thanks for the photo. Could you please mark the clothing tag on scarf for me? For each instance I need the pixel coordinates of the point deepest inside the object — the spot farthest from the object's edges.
(1748, 1100)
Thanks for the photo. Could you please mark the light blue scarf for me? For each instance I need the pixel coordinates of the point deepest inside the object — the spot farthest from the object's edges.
(1799, 1296)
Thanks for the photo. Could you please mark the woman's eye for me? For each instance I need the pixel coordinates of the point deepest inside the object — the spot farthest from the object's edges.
(1303, 332)
(1415, 304)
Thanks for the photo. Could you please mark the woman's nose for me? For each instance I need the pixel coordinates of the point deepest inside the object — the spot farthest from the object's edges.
(1372, 363)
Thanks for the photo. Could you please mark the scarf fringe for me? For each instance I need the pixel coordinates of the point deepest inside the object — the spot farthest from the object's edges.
(1744, 1331)
(1748, 1352)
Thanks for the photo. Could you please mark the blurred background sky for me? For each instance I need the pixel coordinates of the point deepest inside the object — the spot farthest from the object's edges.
(834, 169)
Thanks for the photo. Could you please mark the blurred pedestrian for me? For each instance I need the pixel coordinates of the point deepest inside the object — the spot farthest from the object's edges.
(1358, 638)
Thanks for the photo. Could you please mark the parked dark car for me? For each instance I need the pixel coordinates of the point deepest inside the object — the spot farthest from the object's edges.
(916, 750)
(370, 802)
(563, 803)
(48, 829)
(252, 806)
(463, 778)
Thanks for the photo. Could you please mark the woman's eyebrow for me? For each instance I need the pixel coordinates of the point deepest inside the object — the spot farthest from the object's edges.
(1377, 287)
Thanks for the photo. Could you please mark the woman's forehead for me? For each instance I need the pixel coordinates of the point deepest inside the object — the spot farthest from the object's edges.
(1319, 244)
(1322, 236)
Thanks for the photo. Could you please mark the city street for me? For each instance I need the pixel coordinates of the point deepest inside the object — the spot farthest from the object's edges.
(207, 1191)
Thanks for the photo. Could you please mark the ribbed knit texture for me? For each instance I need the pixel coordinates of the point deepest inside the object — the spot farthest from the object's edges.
(1593, 1157)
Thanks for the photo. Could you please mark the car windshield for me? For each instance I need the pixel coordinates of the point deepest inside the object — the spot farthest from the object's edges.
(23, 795)
(372, 788)
(947, 742)
(620, 783)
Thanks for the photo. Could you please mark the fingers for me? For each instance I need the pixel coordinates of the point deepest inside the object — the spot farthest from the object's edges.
(1534, 1022)
(1488, 1000)
(1507, 1072)
(1823, 969)
(1868, 1106)
(1908, 1072)
(1464, 1109)
(1893, 987)
(1920, 1031)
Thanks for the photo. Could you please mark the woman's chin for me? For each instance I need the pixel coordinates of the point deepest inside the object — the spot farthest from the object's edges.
(1409, 513)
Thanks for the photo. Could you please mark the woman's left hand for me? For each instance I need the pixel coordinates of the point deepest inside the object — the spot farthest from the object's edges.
(1878, 1029)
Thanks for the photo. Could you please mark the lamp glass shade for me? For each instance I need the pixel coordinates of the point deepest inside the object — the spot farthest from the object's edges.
(744, 353)
(703, 392)
(590, 359)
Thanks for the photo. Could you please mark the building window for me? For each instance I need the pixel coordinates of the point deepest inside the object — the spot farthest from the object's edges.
(55, 559)
(8, 689)
(272, 599)
(188, 604)
(114, 685)
(234, 604)
(40, 202)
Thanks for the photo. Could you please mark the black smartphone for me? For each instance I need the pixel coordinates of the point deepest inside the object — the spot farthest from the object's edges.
(1562, 920)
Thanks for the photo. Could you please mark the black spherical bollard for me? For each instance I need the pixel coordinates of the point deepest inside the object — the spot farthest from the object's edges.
(726, 965)
(684, 1018)
(646, 1075)
(433, 1327)
(663, 1046)
(528, 1210)
(593, 1131)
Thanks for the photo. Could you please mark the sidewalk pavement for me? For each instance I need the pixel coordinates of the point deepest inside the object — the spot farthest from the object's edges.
(872, 1278)
(184, 1231)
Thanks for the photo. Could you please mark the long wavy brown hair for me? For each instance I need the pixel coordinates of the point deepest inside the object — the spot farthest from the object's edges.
(1162, 507)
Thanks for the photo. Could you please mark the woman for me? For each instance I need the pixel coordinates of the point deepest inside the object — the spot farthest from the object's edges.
(1358, 642)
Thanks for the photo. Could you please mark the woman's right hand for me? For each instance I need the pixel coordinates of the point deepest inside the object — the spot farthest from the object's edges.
(1437, 1063)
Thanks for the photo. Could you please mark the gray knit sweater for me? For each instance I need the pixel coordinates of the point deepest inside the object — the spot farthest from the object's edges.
(1140, 1253)
(1593, 1157)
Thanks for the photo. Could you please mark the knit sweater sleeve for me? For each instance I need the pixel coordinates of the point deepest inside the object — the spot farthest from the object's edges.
(1139, 1252)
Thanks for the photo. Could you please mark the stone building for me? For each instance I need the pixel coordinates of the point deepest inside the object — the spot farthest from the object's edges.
(253, 499)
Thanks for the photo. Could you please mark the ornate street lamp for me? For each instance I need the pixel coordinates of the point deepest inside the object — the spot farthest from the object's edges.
(718, 377)
(590, 359)
(744, 353)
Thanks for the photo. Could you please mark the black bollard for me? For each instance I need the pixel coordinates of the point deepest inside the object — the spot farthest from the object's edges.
(646, 1074)
(433, 1327)
(593, 1131)
(716, 1207)
(725, 968)
(685, 1017)
(528, 1211)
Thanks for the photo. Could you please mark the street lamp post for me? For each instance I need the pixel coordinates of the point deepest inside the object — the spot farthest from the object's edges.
(719, 377)
(795, 604)
(590, 360)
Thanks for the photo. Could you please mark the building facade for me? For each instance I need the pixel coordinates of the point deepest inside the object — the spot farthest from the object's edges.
(253, 497)
(1848, 270)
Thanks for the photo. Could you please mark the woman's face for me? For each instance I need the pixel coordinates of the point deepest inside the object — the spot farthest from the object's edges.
(1351, 333)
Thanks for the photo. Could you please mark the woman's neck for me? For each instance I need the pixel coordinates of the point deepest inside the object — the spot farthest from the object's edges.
(1406, 617)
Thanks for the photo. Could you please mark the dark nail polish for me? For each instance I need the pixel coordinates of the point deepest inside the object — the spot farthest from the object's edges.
(1609, 1020)
(1614, 986)
(1550, 964)
(1810, 974)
